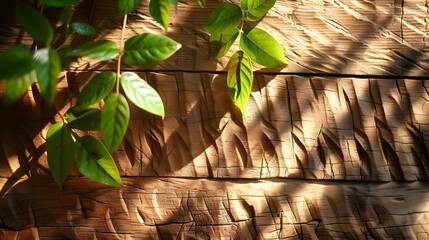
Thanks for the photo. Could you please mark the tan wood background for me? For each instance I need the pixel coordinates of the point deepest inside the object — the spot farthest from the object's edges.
(334, 145)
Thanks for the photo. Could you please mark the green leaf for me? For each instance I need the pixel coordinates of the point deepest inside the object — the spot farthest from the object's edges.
(61, 151)
(35, 24)
(224, 18)
(148, 48)
(102, 50)
(65, 58)
(142, 94)
(160, 11)
(114, 120)
(60, 3)
(47, 64)
(202, 3)
(15, 62)
(220, 44)
(127, 6)
(240, 79)
(96, 163)
(96, 89)
(66, 15)
(262, 48)
(86, 120)
(16, 87)
(175, 2)
(256, 9)
(82, 28)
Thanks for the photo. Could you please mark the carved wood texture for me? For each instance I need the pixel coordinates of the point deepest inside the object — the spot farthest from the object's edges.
(334, 146)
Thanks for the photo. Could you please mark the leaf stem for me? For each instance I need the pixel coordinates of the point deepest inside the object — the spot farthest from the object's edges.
(121, 47)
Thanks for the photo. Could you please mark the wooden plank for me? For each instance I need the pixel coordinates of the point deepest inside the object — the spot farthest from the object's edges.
(344, 37)
(295, 127)
(159, 208)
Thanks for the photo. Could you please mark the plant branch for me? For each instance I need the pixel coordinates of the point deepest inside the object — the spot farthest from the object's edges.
(121, 46)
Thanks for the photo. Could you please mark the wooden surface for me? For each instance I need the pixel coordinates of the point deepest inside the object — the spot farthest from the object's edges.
(334, 145)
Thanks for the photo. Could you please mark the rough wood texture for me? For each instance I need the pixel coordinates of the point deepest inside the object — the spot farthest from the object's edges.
(321, 137)
(172, 208)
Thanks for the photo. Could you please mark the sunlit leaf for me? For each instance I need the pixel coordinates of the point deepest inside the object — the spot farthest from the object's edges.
(256, 9)
(15, 62)
(16, 87)
(95, 162)
(47, 64)
(202, 3)
(220, 44)
(61, 150)
(142, 94)
(127, 6)
(262, 48)
(240, 79)
(34, 24)
(148, 48)
(114, 120)
(82, 28)
(160, 11)
(86, 120)
(102, 50)
(224, 18)
(96, 89)
(60, 3)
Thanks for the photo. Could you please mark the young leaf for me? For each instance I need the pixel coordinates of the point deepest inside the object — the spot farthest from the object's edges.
(15, 62)
(202, 3)
(86, 120)
(47, 64)
(114, 120)
(95, 162)
(127, 6)
(61, 151)
(148, 48)
(60, 3)
(16, 87)
(220, 44)
(240, 79)
(102, 50)
(223, 19)
(82, 28)
(35, 24)
(262, 47)
(142, 94)
(96, 89)
(256, 9)
(160, 11)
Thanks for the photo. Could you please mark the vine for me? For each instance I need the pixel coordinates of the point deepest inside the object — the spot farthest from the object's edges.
(225, 24)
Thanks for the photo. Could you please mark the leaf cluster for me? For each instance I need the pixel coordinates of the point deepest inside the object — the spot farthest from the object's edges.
(225, 25)
(100, 106)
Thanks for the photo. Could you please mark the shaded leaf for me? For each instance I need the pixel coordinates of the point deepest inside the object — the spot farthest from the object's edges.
(96, 89)
(142, 94)
(127, 6)
(220, 44)
(160, 11)
(64, 54)
(148, 48)
(262, 47)
(240, 79)
(61, 151)
(82, 28)
(175, 2)
(34, 24)
(47, 64)
(224, 18)
(96, 163)
(16, 87)
(256, 9)
(66, 15)
(86, 120)
(15, 62)
(60, 3)
(114, 120)
(102, 50)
